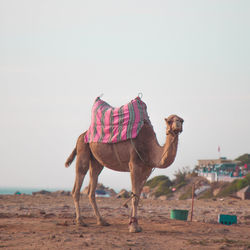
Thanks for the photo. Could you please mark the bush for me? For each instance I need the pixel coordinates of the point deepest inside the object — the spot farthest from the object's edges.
(245, 159)
(241, 184)
(161, 185)
(154, 182)
(180, 176)
(229, 189)
(187, 194)
(235, 186)
(208, 194)
(247, 178)
(162, 189)
(181, 184)
(193, 174)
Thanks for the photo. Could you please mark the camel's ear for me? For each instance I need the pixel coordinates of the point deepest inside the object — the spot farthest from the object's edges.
(168, 121)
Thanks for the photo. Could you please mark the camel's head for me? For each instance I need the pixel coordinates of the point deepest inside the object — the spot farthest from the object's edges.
(174, 124)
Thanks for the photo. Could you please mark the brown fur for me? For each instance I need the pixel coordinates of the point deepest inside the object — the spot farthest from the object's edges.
(137, 156)
(70, 158)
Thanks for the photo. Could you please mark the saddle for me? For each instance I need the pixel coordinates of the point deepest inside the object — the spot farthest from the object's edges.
(112, 125)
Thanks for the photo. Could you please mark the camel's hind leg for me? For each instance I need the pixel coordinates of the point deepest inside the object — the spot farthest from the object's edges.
(82, 167)
(95, 170)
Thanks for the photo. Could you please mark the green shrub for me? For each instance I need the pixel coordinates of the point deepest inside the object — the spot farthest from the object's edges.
(235, 186)
(187, 194)
(208, 194)
(248, 178)
(193, 174)
(241, 184)
(162, 189)
(152, 183)
(229, 189)
(180, 176)
(181, 184)
(161, 183)
(245, 159)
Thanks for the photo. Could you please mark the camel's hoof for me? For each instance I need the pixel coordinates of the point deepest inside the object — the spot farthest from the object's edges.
(103, 223)
(134, 228)
(81, 223)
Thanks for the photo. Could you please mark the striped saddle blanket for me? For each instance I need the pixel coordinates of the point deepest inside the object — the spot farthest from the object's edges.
(111, 125)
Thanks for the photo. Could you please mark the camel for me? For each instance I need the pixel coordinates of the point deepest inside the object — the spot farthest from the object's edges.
(139, 156)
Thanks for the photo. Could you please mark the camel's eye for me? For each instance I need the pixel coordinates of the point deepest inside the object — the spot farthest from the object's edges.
(170, 122)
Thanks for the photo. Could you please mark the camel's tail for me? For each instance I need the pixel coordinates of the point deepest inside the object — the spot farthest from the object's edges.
(70, 158)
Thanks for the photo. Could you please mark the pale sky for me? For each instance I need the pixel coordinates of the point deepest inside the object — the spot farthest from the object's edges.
(189, 57)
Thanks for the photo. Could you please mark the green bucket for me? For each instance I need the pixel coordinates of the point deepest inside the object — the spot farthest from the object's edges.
(227, 219)
(178, 214)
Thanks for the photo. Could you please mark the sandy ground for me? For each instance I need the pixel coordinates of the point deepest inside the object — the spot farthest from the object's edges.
(47, 222)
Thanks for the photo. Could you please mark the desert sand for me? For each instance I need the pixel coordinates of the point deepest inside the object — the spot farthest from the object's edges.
(47, 222)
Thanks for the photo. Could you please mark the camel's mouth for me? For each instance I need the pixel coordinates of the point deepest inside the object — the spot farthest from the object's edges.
(177, 131)
(174, 131)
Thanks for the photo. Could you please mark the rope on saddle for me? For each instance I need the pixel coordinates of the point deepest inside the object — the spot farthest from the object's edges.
(136, 150)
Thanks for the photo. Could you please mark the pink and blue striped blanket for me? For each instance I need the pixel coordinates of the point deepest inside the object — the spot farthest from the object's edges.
(111, 125)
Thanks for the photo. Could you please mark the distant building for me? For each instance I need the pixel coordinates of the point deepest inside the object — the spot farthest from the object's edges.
(221, 169)
(221, 160)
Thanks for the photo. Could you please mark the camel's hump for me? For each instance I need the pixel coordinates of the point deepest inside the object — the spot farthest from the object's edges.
(111, 125)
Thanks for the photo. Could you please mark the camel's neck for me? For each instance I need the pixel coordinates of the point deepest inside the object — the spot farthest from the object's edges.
(165, 155)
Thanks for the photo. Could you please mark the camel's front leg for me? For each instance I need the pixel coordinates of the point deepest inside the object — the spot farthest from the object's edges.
(95, 170)
(139, 176)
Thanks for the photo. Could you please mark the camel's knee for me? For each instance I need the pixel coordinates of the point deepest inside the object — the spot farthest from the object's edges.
(91, 196)
(75, 195)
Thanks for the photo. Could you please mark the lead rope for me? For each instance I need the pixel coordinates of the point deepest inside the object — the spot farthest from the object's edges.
(136, 150)
(175, 136)
(162, 155)
(125, 204)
